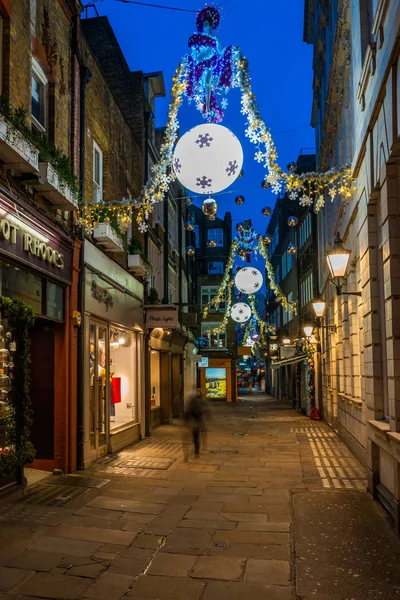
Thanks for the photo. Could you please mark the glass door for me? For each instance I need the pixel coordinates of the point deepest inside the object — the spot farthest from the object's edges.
(98, 388)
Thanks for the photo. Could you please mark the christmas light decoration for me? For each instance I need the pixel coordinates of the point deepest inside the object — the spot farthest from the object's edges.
(207, 72)
(239, 200)
(248, 280)
(240, 312)
(292, 221)
(209, 207)
(208, 159)
(190, 250)
(266, 211)
(279, 295)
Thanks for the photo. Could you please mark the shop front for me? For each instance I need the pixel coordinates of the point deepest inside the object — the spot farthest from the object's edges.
(217, 380)
(166, 352)
(114, 358)
(36, 267)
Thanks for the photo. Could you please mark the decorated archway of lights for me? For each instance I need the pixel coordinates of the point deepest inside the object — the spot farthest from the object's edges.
(247, 244)
(203, 76)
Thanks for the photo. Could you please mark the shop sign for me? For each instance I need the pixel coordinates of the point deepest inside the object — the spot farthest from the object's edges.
(203, 362)
(287, 351)
(163, 316)
(244, 351)
(102, 295)
(25, 238)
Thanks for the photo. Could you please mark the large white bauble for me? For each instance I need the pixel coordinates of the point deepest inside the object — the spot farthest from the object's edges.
(208, 159)
(241, 312)
(248, 280)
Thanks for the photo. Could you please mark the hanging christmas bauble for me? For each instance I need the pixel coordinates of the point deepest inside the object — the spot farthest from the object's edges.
(241, 252)
(292, 167)
(292, 221)
(240, 312)
(239, 200)
(211, 243)
(266, 211)
(267, 239)
(208, 159)
(211, 217)
(292, 249)
(188, 226)
(189, 201)
(255, 337)
(209, 207)
(248, 280)
(265, 184)
(240, 227)
(190, 250)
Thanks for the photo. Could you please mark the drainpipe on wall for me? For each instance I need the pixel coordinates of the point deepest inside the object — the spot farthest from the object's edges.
(85, 78)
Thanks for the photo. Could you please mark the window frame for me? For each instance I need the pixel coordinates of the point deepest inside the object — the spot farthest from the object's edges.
(220, 263)
(221, 306)
(210, 325)
(39, 75)
(98, 187)
(215, 237)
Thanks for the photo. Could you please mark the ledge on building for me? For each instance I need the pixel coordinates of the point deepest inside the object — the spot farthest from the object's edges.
(382, 426)
(51, 187)
(105, 235)
(352, 400)
(16, 152)
(136, 264)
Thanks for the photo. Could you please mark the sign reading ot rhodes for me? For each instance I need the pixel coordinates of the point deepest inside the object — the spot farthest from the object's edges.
(162, 316)
(25, 238)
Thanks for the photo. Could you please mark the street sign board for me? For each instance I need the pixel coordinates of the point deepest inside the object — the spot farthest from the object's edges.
(203, 362)
(162, 316)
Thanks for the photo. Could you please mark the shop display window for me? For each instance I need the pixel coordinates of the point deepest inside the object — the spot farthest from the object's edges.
(155, 383)
(122, 391)
(55, 301)
(18, 283)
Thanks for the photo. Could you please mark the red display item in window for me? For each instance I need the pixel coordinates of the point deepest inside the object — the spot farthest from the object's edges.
(115, 390)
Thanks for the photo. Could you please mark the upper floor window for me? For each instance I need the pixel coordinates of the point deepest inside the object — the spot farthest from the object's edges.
(97, 173)
(216, 235)
(39, 97)
(196, 231)
(305, 230)
(208, 294)
(210, 339)
(216, 268)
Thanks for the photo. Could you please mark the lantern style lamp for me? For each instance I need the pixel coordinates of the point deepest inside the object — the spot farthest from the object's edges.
(286, 341)
(319, 307)
(337, 258)
(308, 330)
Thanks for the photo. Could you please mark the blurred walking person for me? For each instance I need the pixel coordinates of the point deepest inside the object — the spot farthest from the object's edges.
(195, 416)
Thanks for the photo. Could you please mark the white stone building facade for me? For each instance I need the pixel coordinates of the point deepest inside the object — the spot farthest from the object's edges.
(356, 115)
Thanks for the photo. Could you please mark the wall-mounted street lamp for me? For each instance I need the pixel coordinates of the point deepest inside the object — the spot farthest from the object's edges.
(319, 308)
(286, 341)
(308, 330)
(337, 259)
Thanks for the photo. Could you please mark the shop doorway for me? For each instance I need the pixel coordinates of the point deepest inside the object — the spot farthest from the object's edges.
(98, 389)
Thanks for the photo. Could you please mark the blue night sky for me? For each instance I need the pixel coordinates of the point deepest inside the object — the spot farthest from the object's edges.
(270, 35)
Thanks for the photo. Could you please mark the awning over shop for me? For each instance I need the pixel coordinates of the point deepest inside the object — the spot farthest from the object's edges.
(288, 361)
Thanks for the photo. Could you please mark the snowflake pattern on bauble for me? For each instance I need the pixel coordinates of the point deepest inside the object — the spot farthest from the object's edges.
(177, 165)
(232, 168)
(204, 140)
(203, 182)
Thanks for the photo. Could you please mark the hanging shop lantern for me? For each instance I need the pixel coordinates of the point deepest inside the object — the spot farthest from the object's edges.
(190, 251)
(211, 243)
(265, 184)
(240, 312)
(292, 249)
(188, 226)
(292, 221)
(248, 280)
(267, 239)
(209, 207)
(239, 200)
(292, 167)
(208, 159)
(266, 211)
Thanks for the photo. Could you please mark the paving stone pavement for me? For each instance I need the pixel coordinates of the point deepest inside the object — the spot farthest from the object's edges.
(273, 509)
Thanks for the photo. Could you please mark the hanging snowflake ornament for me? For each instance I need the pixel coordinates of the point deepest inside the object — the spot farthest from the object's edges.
(143, 226)
(259, 156)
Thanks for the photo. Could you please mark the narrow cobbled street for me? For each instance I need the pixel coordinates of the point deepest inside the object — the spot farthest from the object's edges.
(275, 508)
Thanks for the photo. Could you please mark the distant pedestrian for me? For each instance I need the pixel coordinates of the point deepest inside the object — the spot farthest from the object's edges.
(195, 416)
